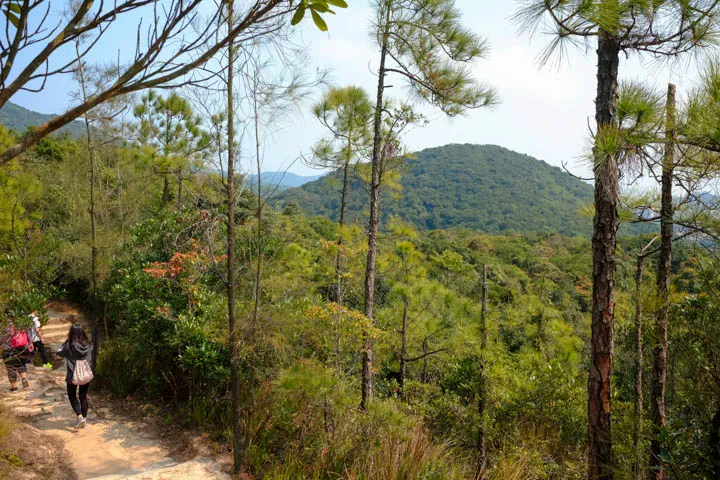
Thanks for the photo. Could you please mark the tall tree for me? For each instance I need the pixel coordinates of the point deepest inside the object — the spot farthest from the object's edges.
(482, 394)
(659, 378)
(255, 96)
(171, 129)
(90, 144)
(423, 42)
(669, 27)
(97, 122)
(346, 113)
(239, 447)
(639, 346)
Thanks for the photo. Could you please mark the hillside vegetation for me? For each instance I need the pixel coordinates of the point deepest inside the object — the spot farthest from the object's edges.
(18, 118)
(483, 187)
(162, 298)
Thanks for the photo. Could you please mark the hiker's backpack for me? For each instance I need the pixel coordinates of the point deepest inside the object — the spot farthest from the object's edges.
(83, 373)
(19, 338)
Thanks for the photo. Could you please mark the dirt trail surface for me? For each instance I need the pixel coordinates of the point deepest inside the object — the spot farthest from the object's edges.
(111, 447)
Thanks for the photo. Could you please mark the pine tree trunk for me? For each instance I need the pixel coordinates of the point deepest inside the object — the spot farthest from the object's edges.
(339, 256)
(605, 224)
(637, 429)
(339, 294)
(259, 215)
(367, 357)
(482, 394)
(180, 187)
(166, 152)
(166, 190)
(657, 399)
(403, 348)
(714, 444)
(239, 450)
(93, 220)
(93, 247)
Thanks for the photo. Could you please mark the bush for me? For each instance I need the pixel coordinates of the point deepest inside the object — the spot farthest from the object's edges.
(316, 432)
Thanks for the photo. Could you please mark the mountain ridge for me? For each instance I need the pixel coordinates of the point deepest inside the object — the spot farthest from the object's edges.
(281, 179)
(18, 118)
(483, 187)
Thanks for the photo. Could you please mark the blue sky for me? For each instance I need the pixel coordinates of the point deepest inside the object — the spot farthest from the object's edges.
(544, 111)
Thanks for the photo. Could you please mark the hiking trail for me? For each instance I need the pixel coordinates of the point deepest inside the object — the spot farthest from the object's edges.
(112, 447)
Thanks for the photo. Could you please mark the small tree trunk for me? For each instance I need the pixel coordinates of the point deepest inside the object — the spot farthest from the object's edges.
(105, 322)
(482, 393)
(180, 188)
(714, 444)
(341, 222)
(637, 462)
(93, 219)
(166, 190)
(93, 243)
(403, 348)
(259, 215)
(425, 348)
(239, 448)
(367, 358)
(26, 265)
(339, 294)
(657, 403)
(600, 453)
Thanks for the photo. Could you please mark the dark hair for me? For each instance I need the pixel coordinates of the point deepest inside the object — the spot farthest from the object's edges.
(77, 335)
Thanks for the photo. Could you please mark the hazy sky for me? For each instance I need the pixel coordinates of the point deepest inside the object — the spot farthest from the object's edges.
(544, 111)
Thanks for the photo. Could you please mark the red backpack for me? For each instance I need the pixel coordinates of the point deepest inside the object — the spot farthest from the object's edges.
(19, 338)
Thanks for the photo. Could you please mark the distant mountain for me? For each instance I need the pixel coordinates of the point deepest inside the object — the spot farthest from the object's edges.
(281, 180)
(19, 118)
(483, 187)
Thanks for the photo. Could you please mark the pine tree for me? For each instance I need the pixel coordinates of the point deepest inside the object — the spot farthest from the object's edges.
(423, 42)
(171, 129)
(669, 28)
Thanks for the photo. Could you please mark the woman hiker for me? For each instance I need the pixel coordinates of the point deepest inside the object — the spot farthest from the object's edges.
(76, 350)
(16, 348)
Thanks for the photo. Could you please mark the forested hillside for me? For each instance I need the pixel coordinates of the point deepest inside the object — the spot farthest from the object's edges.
(19, 119)
(483, 187)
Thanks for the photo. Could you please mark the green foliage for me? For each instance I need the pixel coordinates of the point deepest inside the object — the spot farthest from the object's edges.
(163, 287)
(316, 8)
(170, 134)
(485, 188)
(21, 304)
(347, 114)
(20, 119)
(662, 27)
(429, 47)
(316, 432)
(165, 310)
(694, 435)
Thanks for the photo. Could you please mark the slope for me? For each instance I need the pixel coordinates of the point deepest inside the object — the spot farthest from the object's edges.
(19, 119)
(483, 187)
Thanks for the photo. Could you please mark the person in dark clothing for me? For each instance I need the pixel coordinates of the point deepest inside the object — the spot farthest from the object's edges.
(37, 339)
(76, 347)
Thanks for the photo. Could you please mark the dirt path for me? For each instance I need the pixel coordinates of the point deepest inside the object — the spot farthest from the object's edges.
(111, 447)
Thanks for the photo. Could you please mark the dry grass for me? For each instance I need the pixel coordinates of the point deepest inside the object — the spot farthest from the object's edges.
(406, 459)
(514, 467)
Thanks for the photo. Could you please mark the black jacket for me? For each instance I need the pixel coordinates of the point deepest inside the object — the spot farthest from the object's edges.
(72, 354)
